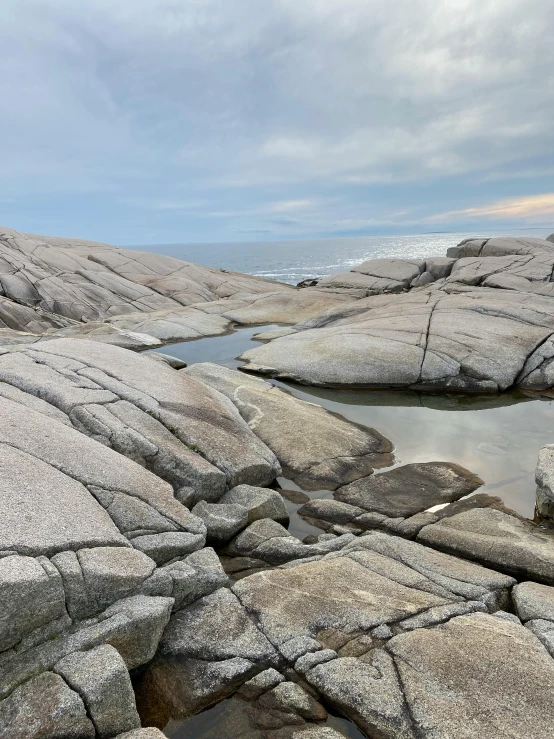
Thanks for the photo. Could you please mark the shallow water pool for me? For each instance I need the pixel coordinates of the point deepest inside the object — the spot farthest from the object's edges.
(497, 437)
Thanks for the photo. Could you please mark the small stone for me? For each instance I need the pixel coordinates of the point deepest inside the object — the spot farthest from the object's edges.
(259, 684)
(259, 502)
(222, 521)
(307, 661)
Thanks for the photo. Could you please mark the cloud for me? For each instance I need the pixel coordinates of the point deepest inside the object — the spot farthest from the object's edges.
(512, 209)
(219, 114)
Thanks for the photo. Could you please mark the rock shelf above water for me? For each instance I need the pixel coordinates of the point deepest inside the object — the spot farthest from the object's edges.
(142, 531)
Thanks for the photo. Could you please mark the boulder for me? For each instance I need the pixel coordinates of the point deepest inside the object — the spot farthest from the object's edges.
(335, 450)
(412, 488)
(259, 502)
(100, 677)
(222, 520)
(369, 693)
(471, 661)
(45, 707)
(208, 650)
(498, 540)
(534, 601)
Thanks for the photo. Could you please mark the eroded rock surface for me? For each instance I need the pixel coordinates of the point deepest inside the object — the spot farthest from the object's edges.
(104, 569)
(414, 333)
(316, 448)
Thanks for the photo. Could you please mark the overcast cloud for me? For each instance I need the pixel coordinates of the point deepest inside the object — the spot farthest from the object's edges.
(148, 121)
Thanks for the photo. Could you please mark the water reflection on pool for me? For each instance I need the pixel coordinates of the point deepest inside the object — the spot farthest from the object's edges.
(498, 437)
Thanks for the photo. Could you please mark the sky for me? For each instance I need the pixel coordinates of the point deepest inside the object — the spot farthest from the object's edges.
(173, 121)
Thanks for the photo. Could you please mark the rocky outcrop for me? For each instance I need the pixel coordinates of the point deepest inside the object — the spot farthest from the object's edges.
(170, 423)
(412, 628)
(509, 544)
(500, 287)
(119, 475)
(317, 449)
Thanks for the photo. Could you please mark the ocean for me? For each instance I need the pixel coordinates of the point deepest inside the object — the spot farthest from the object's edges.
(294, 261)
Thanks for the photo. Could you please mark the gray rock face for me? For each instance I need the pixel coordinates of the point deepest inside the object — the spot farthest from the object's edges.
(367, 599)
(501, 541)
(476, 660)
(45, 708)
(31, 595)
(259, 502)
(410, 489)
(82, 280)
(207, 652)
(334, 451)
(170, 423)
(368, 693)
(100, 677)
(533, 601)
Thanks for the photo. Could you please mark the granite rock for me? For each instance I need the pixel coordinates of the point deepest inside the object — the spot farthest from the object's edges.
(410, 489)
(334, 451)
(497, 540)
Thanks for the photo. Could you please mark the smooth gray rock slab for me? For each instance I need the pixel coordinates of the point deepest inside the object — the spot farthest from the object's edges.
(431, 570)
(170, 423)
(471, 661)
(333, 451)
(534, 601)
(131, 496)
(410, 489)
(496, 540)
(45, 708)
(259, 502)
(86, 281)
(101, 678)
(176, 324)
(286, 306)
(278, 599)
(419, 340)
(45, 511)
